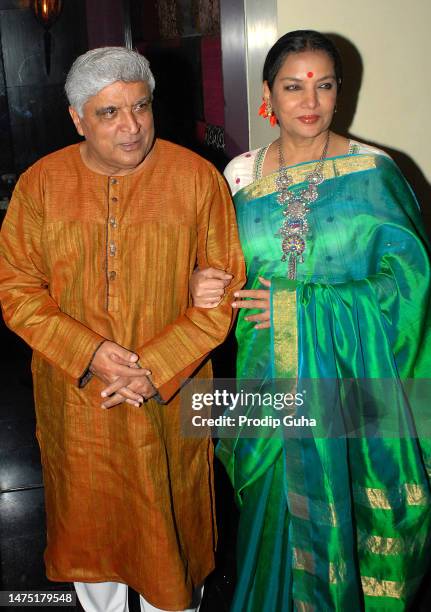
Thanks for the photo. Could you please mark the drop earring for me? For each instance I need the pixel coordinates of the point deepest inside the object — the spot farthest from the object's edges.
(265, 111)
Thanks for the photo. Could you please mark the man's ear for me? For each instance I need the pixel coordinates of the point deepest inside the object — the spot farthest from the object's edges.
(76, 120)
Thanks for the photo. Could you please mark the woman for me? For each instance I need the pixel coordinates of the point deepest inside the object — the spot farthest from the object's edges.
(328, 521)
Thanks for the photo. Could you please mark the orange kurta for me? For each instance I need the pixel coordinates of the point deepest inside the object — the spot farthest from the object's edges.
(87, 257)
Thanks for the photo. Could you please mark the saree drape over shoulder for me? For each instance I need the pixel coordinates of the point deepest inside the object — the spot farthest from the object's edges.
(337, 522)
(87, 257)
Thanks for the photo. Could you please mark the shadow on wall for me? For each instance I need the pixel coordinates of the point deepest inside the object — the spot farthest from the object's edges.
(346, 110)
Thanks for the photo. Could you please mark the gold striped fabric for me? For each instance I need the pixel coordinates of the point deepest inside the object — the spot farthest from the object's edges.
(303, 606)
(332, 168)
(299, 507)
(303, 560)
(379, 545)
(410, 494)
(382, 588)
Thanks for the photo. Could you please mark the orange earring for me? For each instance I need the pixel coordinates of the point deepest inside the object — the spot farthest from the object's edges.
(265, 110)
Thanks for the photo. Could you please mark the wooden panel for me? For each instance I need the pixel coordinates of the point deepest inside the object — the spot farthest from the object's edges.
(6, 151)
(38, 116)
(23, 48)
(40, 122)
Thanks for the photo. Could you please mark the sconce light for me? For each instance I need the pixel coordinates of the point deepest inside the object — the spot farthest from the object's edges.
(47, 12)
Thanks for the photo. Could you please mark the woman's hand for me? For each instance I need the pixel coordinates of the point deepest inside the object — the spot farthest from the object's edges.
(256, 298)
(208, 286)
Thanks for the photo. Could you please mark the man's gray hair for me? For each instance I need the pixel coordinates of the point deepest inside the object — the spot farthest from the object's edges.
(98, 68)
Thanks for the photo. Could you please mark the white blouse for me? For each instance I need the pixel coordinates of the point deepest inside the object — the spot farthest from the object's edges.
(241, 171)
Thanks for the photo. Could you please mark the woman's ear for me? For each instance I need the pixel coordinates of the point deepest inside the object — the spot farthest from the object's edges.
(266, 92)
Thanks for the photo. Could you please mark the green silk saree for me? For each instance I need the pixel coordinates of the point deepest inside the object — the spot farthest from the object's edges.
(336, 522)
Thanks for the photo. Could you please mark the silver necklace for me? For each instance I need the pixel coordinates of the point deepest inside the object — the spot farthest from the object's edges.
(295, 224)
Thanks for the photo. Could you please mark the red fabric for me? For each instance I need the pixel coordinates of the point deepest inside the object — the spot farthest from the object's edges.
(212, 80)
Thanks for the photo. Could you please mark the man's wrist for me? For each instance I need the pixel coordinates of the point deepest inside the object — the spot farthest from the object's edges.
(88, 373)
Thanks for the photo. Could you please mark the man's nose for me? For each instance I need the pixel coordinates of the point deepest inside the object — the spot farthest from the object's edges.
(129, 122)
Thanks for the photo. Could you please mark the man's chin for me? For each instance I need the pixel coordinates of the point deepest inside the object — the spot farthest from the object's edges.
(129, 160)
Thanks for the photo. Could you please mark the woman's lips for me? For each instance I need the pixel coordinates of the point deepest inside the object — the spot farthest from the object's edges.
(308, 119)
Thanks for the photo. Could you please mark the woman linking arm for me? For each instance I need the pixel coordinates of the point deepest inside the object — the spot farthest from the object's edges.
(328, 521)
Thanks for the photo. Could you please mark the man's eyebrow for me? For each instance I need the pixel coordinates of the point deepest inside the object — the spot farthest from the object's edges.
(104, 109)
(144, 99)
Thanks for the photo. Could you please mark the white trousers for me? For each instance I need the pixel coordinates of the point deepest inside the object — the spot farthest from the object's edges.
(112, 597)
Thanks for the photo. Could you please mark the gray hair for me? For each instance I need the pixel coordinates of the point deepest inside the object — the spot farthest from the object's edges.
(98, 68)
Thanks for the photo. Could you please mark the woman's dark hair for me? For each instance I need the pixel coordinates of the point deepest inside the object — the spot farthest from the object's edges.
(295, 42)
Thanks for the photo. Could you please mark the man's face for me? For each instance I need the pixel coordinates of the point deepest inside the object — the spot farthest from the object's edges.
(118, 127)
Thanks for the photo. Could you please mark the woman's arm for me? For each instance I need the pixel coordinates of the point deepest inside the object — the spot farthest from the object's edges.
(256, 299)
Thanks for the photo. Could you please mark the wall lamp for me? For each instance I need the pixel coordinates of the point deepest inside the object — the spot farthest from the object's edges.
(47, 12)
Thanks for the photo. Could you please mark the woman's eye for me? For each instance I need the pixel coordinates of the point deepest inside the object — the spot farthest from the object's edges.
(292, 87)
(325, 86)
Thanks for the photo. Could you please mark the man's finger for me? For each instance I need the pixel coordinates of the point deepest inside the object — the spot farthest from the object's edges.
(131, 361)
(209, 298)
(119, 385)
(117, 398)
(211, 288)
(216, 273)
(121, 355)
(117, 371)
(208, 305)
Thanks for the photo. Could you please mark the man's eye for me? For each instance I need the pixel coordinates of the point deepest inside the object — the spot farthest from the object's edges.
(142, 106)
(109, 112)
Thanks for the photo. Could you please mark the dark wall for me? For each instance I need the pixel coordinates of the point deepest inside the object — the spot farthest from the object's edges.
(33, 111)
(105, 22)
(6, 150)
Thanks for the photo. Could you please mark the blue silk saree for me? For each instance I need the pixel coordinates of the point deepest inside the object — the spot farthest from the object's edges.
(332, 521)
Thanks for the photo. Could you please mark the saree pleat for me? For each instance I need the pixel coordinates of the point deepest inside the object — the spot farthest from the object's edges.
(340, 518)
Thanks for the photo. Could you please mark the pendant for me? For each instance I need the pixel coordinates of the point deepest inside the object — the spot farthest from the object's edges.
(295, 225)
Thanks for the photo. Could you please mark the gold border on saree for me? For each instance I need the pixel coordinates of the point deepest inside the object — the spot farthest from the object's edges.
(331, 168)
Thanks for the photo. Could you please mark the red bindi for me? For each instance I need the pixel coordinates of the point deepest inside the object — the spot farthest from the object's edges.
(310, 74)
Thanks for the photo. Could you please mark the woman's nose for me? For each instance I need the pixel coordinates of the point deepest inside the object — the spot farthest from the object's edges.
(310, 98)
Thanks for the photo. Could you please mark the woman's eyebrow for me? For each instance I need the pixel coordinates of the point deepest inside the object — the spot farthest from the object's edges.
(288, 78)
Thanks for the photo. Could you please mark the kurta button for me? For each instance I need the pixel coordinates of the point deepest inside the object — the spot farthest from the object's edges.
(112, 249)
(114, 199)
(114, 181)
(113, 222)
(112, 275)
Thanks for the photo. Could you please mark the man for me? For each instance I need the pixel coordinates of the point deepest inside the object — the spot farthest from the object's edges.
(97, 250)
